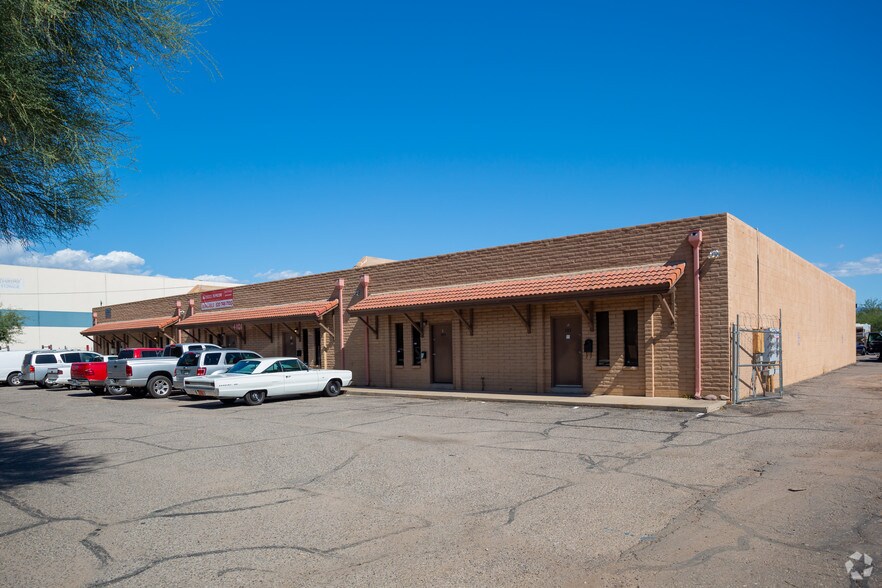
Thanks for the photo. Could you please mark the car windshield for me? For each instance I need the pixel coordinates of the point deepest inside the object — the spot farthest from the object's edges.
(244, 367)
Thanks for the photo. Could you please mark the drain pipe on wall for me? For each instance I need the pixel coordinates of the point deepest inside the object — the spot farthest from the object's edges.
(341, 361)
(695, 241)
(365, 282)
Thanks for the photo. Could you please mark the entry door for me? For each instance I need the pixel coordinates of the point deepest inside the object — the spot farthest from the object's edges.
(566, 333)
(442, 353)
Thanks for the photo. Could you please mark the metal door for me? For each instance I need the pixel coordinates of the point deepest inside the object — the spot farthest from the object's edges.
(566, 350)
(442, 353)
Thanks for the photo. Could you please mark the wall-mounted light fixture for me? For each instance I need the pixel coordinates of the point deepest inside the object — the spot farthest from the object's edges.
(713, 254)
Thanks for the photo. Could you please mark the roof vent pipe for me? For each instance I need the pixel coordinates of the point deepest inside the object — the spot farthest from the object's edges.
(695, 239)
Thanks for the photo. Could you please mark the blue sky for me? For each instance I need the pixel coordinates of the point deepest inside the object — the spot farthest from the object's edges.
(399, 130)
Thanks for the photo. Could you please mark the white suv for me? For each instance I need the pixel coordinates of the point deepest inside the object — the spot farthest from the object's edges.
(36, 365)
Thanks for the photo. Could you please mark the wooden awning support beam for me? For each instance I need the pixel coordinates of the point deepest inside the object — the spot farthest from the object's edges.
(327, 330)
(588, 313)
(374, 329)
(417, 326)
(268, 335)
(296, 332)
(528, 319)
(195, 338)
(91, 339)
(667, 308)
(470, 324)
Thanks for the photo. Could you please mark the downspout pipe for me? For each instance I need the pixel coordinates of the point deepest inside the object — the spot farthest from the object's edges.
(365, 283)
(695, 239)
(341, 361)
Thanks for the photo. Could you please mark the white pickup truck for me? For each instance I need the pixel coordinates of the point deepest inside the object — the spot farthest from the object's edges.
(255, 380)
(152, 375)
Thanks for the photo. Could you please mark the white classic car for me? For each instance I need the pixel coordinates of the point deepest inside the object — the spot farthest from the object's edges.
(254, 380)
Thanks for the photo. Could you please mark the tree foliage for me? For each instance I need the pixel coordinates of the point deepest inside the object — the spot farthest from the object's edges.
(68, 76)
(870, 312)
(11, 324)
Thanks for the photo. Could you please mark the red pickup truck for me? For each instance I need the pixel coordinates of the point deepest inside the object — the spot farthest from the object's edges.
(92, 374)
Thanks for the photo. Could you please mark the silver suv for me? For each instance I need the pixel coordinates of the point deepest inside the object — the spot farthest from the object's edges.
(205, 363)
(36, 364)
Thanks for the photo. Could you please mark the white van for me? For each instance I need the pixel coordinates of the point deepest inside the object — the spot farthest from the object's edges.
(10, 367)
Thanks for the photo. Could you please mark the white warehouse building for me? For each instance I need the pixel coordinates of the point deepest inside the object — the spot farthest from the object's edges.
(57, 303)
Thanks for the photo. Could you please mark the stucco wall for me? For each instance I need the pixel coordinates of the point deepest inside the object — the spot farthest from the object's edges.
(818, 310)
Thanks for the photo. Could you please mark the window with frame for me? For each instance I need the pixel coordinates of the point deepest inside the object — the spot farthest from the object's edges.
(601, 320)
(305, 354)
(317, 340)
(631, 351)
(399, 344)
(417, 346)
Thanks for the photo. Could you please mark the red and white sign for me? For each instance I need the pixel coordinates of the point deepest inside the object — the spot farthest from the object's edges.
(217, 299)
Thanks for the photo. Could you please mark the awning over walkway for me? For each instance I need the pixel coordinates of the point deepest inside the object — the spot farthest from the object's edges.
(646, 279)
(314, 310)
(148, 324)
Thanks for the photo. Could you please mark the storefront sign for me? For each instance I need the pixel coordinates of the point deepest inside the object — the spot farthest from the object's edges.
(217, 299)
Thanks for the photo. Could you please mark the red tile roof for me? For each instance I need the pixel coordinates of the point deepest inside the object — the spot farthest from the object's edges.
(638, 279)
(298, 310)
(148, 324)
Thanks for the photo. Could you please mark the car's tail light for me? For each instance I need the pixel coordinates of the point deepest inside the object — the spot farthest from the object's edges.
(177, 372)
(129, 370)
(31, 369)
(200, 371)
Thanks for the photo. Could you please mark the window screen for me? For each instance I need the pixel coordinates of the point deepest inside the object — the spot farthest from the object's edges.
(399, 344)
(417, 346)
(602, 321)
(317, 339)
(631, 338)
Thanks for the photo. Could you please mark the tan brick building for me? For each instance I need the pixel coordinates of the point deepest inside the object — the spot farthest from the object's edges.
(612, 312)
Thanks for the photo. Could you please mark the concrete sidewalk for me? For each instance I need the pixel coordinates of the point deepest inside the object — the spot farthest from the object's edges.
(657, 403)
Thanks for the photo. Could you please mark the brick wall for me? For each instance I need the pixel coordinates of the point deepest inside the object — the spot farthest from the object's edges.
(505, 344)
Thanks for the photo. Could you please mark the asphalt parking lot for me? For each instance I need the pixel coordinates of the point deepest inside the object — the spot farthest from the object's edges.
(376, 492)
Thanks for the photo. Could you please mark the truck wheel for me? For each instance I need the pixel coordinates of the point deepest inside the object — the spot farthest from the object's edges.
(113, 390)
(14, 379)
(159, 386)
(333, 388)
(97, 391)
(255, 397)
(138, 392)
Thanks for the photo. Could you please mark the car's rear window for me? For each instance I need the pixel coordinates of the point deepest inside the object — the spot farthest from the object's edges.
(126, 354)
(27, 359)
(189, 359)
(151, 353)
(173, 351)
(244, 367)
(45, 359)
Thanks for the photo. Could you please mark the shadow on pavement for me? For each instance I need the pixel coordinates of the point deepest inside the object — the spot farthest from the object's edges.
(81, 394)
(24, 461)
